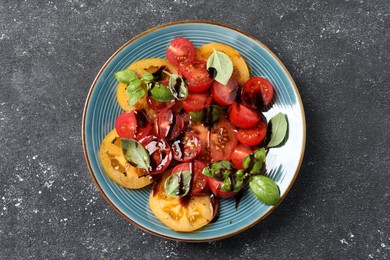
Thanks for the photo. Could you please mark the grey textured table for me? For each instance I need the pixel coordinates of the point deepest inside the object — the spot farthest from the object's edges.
(338, 54)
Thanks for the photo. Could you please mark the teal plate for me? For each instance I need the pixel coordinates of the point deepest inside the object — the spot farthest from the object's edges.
(101, 110)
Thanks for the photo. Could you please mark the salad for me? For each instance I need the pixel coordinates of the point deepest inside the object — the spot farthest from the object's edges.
(193, 126)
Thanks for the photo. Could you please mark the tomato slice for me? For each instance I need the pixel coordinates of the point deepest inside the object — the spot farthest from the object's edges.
(168, 125)
(196, 75)
(253, 136)
(225, 95)
(203, 134)
(223, 140)
(198, 180)
(180, 50)
(215, 187)
(239, 154)
(134, 124)
(160, 153)
(242, 116)
(186, 148)
(257, 92)
(197, 101)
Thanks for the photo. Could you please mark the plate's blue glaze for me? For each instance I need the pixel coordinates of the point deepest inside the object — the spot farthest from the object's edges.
(101, 110)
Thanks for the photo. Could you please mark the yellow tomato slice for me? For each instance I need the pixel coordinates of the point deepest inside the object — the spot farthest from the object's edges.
(240, 68)
(116, 166)
(141, 67)
(180, 215)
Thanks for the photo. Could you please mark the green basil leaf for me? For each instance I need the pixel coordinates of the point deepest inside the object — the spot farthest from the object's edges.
(208, 115)
(178, 184)
(178, 86)
(219, 170)
(135, 154)
(265, 189)
(222, 64)
(160, 92)
(147, 77)
(254, 162)
(136, 95)
(196, 116)
(278, 126)
(227, 184)
(133, 86)
(125, 76)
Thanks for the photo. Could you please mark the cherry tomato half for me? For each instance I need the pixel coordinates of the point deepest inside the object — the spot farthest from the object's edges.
(168, 125)
(225, 95)
(215, 186)
(134, 124)
(257, 92)
(197, 101)
(196, 75)
(180, 50)
(242, 116)
(203, 134)
(239, 155)
(198, 180)
(186, 148)
(223, 140)
(159, 151)
(253, 136)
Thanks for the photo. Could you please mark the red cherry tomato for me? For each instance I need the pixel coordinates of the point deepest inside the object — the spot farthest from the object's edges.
(215, 186)
(257, 92)
(242, 116)
(223, 140)
(203, 134)
(168, 125)
(225, 95)
(198, 180)
(159, 151)
(197, 101)
(253, 136)
(180, 50)
(239, 155)
(134, 124)
(196, 75)
(159, 106)
(186, 148)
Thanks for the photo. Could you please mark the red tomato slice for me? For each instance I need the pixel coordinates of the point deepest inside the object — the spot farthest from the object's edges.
(223, 140)
(215, 186)
(239, 154)
(159, 106)
(198, 180)
(225, 95)
(197, 101)
(242, 116)
(257, 92)
(253, 136)
(160, 153)
(203, 134)
(180, 50)
(186, 148)
(134, 124)
(168, 125)
(196, 75)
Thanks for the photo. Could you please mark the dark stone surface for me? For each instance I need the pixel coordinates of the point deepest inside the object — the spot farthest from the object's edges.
(338, 54)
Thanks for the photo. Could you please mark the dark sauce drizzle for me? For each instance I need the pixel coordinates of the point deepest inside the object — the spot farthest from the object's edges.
(158, 75)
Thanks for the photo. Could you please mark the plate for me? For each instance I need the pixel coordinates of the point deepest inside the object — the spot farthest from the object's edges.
(101, 110)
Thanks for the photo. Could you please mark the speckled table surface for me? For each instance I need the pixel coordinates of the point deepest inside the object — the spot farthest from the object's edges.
(336, 51)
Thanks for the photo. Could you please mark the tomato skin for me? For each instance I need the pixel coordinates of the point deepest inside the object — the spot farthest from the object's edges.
(198, 180)
(180, 50)
(215, 187)
(253, 136)
(168, 125)
(159, 106)
(257, 93)
(197, 101)
(134, 124)
(186, 148)
(222, 140)
(225, 95)
(239, 154)
(159, 151)
(196, 75)
(242, 116)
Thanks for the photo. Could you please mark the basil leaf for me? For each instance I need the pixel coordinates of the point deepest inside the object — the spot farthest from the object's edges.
(133, 86)
(125, 76)
(254, 162)
(178, 184)
(265, 189)
(135, 154)
(222, 64)
(208, 115)
(196, 116)
(219, 170)
(160, 92)
(147, 77)
(177, 86)
(237, 183)
(139, 93)
(278, 126)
